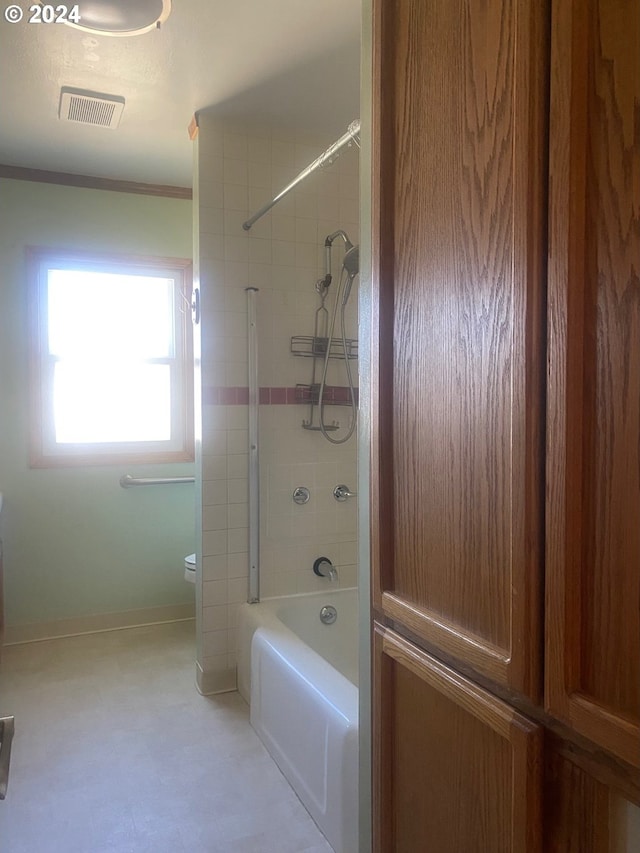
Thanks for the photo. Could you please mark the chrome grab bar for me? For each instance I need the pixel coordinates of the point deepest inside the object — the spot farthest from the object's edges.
(126, 481)
(6, 737)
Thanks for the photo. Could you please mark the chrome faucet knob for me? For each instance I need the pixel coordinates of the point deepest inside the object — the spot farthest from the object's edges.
(301, 495)
(342, 492)
(324, 568)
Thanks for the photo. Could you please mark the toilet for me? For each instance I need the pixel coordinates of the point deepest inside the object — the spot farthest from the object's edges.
(190, 568)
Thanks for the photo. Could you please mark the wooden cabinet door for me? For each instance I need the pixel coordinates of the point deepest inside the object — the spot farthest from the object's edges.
(459, 148)
(576, 808)
(593, 422)
(456, 770)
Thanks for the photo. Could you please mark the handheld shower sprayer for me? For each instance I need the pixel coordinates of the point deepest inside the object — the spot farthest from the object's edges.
(351, 265)
(348, 245)
(350, 269)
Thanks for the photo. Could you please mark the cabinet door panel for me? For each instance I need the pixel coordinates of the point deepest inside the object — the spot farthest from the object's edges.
(459, 153)
(576, 808)
(593, 497)
(455, 769)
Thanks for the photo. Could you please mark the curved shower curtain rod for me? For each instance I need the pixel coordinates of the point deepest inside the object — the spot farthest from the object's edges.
(352, 135)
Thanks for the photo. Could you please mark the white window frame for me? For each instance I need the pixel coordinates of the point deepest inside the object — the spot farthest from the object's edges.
(45, 452)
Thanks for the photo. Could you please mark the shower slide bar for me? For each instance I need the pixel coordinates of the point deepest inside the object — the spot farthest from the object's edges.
(352, 135)
(126, 481)
(254, 448)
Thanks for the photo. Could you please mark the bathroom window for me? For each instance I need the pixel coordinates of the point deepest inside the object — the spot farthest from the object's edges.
(112, 377)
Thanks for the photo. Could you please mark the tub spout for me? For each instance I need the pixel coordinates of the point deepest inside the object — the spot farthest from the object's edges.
(324, 568)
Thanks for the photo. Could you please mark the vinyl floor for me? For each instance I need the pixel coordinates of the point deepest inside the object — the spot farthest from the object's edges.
(116, 752)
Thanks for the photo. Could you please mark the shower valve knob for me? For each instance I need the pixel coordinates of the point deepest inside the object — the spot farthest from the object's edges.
(342, 492)
(301, 495)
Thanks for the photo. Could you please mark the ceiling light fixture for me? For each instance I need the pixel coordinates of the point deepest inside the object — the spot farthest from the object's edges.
(121, 17)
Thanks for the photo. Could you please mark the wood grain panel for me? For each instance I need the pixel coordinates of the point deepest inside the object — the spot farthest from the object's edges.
(593, 506)
(457, 441)
(459, 771)
(576, 809)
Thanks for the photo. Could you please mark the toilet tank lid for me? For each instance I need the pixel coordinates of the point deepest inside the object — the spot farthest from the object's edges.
(191, 559)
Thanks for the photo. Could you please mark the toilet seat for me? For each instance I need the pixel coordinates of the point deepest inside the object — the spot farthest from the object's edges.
(190, 568)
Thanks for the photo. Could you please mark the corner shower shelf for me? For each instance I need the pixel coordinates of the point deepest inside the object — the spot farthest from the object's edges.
(318, 348)
(309, 346)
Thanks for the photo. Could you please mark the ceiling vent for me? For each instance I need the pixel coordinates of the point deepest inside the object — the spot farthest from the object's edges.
(93, 108)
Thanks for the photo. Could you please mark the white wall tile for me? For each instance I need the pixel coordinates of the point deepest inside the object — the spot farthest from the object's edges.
(236, 248)
(236, 197)
(235, 171)
(214, 567)
(259, 149)
(212, 246)
(237, 418)
(283, 227)
(214, 618)
(329, 186)
(237, 441)
(237, 540)
(261, 276)
(283, 153)
(215, 518)
(235, 145)
(283, 252)
(236, 274)
(214, 642)
(214, 542)
(238, 515)
(237, 490)
(260, 251)
(211, 220)
(214, 492)
(211, 170)
(259, 174)
(283, 256)
(214, 593)
(237, 590)
(238, 471)
(236, 374)
(238, 565)
(214, 467)
(306, 205)
(233, 611)
(214, 438)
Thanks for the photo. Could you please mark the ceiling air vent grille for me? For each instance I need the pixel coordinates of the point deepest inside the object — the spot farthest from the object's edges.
(92, 108)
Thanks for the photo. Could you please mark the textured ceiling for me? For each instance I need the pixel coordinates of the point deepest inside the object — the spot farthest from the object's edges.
(294, 62)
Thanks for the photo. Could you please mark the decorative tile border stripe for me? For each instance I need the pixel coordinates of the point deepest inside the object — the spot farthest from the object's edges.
(272, 396)
(233, 396)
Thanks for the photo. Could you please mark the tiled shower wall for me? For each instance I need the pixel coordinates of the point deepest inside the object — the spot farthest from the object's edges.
(239, 168)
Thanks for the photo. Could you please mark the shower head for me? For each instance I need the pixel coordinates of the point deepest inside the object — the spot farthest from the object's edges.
(351, 265)
(351, 261)
(347, 242)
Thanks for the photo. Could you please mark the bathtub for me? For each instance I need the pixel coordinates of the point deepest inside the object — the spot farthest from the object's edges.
(300, 679)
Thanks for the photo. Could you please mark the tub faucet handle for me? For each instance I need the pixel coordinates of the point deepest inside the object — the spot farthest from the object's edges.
(324, 568)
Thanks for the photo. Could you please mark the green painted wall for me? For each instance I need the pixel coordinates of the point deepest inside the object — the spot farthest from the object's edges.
(75, 542)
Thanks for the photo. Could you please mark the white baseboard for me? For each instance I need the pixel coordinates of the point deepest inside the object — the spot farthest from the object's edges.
(34, 632)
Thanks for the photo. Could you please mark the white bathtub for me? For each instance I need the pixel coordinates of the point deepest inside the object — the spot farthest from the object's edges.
(300, 678)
